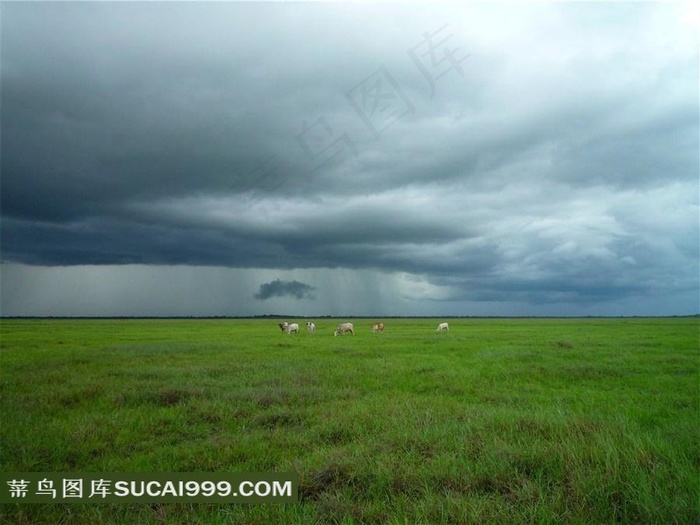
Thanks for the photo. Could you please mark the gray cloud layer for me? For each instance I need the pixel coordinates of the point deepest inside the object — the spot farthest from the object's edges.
(556, 163)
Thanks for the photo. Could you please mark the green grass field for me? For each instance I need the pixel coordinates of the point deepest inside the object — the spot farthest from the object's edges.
(498, 421)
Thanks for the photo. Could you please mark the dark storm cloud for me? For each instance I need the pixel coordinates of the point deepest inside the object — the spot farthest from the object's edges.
(551, 157)
(278, 288)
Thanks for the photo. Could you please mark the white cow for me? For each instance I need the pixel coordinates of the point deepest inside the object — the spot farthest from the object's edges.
(344, 327)
(378, 327)
(289, 328)
(311, 327)
(443, 327)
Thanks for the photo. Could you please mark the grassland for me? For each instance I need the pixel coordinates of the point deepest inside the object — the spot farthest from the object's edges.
(497, 421)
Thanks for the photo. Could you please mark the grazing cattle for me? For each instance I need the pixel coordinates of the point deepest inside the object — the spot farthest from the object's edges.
(311, 327)
(344, 327)
(289, 328)
(378, 327)
(443, 327)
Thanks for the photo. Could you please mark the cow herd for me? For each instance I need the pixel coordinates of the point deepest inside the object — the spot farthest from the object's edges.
(344, 328)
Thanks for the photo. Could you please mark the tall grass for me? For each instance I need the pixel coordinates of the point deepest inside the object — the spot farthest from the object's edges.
(497, 421)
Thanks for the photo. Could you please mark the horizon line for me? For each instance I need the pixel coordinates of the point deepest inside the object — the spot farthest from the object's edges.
(281, 316)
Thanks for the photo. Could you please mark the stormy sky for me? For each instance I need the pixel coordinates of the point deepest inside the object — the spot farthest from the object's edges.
(349, 159)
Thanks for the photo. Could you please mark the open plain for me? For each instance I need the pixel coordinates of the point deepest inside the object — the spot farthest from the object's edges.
(495, 421)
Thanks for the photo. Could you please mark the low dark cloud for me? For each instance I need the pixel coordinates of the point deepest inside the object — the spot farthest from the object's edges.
(278, 288)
